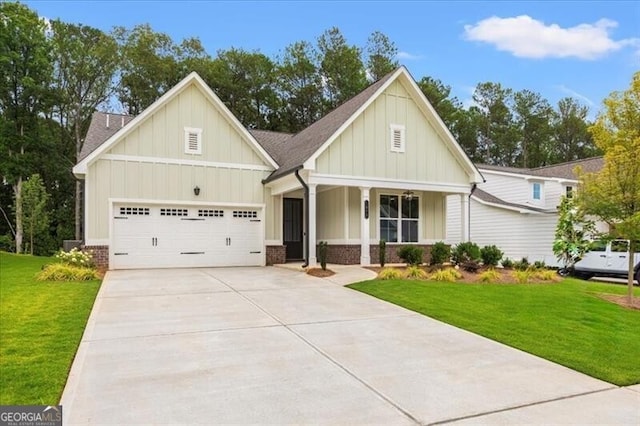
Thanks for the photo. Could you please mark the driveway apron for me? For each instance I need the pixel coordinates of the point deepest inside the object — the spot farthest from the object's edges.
(270, 345)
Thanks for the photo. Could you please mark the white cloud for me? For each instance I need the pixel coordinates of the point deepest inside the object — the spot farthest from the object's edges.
(526, 37)
(408, 56)
(564, 89)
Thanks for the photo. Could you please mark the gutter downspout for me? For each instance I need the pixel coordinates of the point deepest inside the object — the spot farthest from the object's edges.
(306, 218)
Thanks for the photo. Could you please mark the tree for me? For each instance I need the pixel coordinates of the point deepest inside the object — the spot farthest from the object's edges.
(343, 74)
(573, 232)
(86, 60)
(149, 66)
(245, 81)
(34, 199)
(571, 138)
(613, 193)
(497, 137)
(25, 75)
(299, 86)
(439, 95)
(532, 119)
(381, 55)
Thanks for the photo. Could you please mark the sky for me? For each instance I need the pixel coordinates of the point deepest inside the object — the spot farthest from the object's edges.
(582, 49)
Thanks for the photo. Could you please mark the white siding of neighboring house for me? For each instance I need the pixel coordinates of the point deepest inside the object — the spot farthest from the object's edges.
(517, 235)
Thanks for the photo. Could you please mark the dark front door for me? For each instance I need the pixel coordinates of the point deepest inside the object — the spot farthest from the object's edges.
(292, 231)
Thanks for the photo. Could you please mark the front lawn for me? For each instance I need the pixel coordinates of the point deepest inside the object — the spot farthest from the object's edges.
(41, 324)
(566, 322)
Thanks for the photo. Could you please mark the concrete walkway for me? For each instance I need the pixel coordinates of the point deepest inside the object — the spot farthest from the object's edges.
(270, 345)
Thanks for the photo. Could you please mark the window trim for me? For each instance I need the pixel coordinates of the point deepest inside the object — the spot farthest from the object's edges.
(393, 128)
(187, 132)
(399, 219)
(541, 192)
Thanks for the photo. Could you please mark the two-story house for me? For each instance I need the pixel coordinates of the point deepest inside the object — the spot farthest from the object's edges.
(517, 209)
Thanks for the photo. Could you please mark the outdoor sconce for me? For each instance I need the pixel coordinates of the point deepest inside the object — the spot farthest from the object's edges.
(196, 190)
(366, 209)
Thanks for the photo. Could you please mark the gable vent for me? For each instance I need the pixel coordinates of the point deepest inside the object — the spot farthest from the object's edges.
(192, 141)
(397, 138)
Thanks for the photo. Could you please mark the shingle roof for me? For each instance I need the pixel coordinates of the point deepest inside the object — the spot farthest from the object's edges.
(103, 126)
(273, 142)
(304, 144)
(489, 198)
(561, 170)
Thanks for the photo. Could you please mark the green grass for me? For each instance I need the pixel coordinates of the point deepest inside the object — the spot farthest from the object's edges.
(41, 324)
(564, 322)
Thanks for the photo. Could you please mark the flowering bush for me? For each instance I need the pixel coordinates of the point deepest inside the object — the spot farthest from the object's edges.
(76, 257)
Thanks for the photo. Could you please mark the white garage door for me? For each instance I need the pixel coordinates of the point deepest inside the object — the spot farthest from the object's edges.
(185, 236)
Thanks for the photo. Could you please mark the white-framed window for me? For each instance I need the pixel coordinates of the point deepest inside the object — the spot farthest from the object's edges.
(399, 217)
(568, 191)
(192, 140)
(537, 192)
(397, 133)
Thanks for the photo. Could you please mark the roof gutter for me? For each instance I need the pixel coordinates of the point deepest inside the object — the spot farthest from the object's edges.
(306, 217)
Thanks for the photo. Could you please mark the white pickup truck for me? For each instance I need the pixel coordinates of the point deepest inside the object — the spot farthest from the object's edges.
(608, 259)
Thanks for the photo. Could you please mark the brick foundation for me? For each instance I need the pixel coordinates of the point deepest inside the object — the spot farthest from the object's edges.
(276, 255)
(343, 254)
(100, 255)
(392, 253)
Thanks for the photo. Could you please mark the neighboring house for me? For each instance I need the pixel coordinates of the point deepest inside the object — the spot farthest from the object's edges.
(516, 208)
(186, 184)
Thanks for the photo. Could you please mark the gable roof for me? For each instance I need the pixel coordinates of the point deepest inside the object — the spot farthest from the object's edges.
(193, 78)
(305, 143)
(557, 171)
(486, 198)
(274, 143)
(103, 126)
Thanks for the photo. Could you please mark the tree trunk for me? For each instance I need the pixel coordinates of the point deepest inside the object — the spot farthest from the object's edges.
(17, 189)
(632, 251)
(31, 237)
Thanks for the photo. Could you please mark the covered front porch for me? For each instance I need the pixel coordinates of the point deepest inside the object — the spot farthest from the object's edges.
(354, 215)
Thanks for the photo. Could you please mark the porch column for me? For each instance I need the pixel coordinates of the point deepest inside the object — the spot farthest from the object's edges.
(365, 212)
(312, 225)
(464, 217)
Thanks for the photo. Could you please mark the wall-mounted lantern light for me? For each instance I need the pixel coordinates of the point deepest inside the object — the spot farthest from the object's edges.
(196, 190)
(366, 209)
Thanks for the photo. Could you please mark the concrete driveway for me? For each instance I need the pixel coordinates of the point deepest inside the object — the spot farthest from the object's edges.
(269, 345)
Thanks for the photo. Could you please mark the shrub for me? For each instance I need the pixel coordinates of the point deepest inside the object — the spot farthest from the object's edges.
(521, 265)
(64, 272)
(521, 276)
(489, 276)
(465, 252)
(415, 273)
(389, 274)
(7, 243)
(470, 266)
(440, 253)
(322, 254)
(506, 263)
(547, 275)
(539, 264)
(382, 252)
(448, 275)
(412, 255)
(75, 257)
(491, 255)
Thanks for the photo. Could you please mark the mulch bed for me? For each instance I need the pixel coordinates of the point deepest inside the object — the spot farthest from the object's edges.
(320, 273)
(621, 300)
